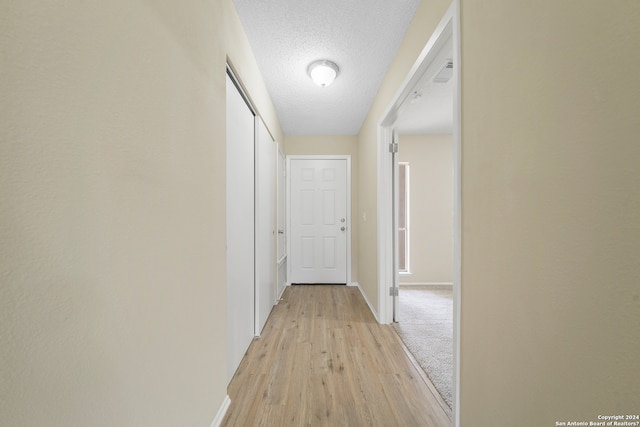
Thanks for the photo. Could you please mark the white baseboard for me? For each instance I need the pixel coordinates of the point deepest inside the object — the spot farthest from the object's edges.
(282, 290)
(221, 412)
(364, 295)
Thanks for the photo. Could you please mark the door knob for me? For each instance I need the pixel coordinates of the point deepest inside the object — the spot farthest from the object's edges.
(280, 231)
(342, 228)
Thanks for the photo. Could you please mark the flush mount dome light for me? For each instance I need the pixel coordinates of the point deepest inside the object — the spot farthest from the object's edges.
(323, 72)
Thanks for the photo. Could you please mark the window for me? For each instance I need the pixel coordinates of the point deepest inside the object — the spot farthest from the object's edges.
(403, 217)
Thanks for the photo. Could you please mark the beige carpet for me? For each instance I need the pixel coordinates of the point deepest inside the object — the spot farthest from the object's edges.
(425, 324)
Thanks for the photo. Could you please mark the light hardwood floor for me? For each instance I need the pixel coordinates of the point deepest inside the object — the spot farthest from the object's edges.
(323, 360)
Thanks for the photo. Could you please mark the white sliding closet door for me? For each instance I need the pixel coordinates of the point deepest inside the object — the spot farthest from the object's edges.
(265, 223)
(281, 221)
(240, 227)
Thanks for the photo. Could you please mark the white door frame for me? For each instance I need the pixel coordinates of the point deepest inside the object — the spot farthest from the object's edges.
(288, 202)
(448, 26)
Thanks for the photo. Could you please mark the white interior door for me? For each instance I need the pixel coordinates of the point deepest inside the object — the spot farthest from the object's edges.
(318, 221)
(282, 225)
(240, 227)
(282, 239)
(265, 225)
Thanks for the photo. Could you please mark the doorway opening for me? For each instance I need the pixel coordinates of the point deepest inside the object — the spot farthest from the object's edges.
(436, 70)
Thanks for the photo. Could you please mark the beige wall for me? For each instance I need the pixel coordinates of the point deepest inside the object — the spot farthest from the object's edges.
(112, 167)
(550, 298)
(333, 145)
(550, 211)
(431, 207)
(424, 22)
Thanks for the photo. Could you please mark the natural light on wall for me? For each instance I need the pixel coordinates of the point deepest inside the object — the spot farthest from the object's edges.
(403, 217)
(323, 72)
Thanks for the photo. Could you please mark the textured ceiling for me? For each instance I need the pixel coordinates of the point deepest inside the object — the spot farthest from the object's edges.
(361, 36)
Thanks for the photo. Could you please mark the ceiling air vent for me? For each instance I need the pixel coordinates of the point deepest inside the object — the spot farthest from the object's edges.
(444, 75)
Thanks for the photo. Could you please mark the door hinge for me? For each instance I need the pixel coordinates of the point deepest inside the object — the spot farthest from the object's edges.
(393, 291)
(393, 147)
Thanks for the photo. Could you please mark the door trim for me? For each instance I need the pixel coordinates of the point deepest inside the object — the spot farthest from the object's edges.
(449, 25)
(288, 205)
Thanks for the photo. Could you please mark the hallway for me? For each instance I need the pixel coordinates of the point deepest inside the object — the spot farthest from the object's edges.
(324, 360)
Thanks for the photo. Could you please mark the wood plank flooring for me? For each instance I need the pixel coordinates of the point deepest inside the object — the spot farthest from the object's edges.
(323, 360)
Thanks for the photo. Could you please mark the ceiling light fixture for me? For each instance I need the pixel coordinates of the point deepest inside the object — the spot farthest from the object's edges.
(323, 72)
